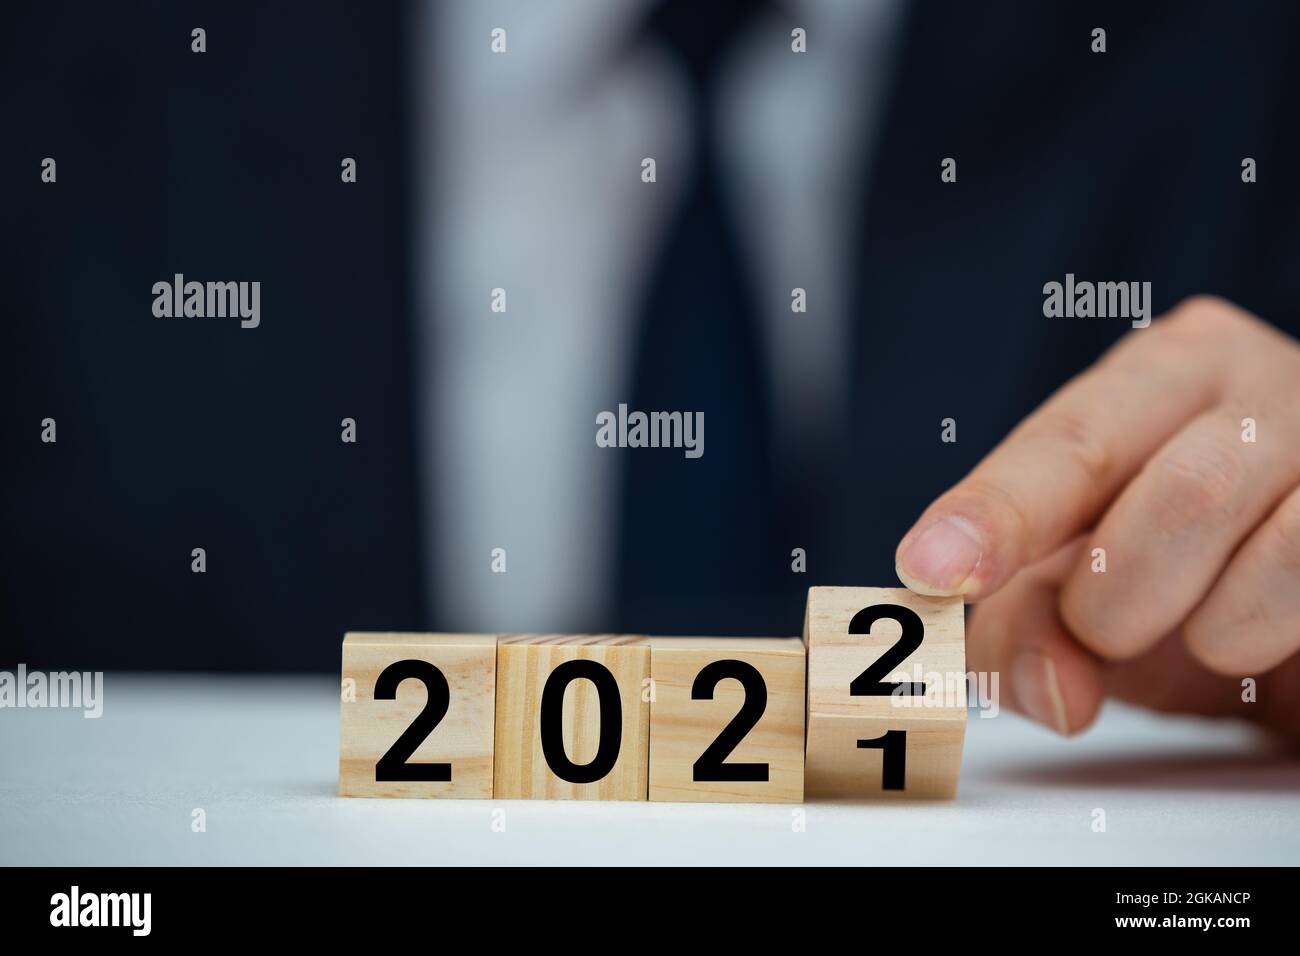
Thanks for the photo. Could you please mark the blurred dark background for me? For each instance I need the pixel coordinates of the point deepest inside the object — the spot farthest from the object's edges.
(183, 433)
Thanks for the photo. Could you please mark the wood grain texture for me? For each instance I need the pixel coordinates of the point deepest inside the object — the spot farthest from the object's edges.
(682, 729)
(464, 737)
(524, 662)
(935, 724)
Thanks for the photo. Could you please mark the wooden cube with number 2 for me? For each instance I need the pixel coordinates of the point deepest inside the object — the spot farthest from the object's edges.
(726, 719)
(886, 693)
(417, 715)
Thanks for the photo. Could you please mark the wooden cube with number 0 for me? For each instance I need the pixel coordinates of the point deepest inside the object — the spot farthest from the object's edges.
(573, 717)
(417, 717)
(886, 693)
(727, 719)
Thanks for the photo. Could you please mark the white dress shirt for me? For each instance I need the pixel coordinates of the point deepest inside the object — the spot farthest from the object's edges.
(536, 189)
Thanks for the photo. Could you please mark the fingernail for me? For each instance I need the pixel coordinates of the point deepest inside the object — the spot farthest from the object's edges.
(1039, 695)
(942, 558)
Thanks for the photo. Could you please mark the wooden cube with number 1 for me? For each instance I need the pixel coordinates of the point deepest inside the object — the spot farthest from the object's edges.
(886, 693)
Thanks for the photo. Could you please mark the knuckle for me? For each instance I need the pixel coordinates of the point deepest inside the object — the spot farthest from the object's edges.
(1172, 342)
(1081, 444)
(1235, 335)
(1198, 485)
(1233, 631)
(1273, 408)
(1085, 613)
(1283, 541)
(994, 505)
(1202, 636)
(1200, 315)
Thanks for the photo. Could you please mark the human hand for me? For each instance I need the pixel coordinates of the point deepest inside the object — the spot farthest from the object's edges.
(1178, 456)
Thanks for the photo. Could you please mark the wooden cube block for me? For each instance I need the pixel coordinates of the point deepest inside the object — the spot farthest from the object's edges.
(571, 722)
(419, 720)
(727, 719)
(886, 693)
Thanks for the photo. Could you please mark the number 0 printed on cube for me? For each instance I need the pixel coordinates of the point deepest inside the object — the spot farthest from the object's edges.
(573, 717)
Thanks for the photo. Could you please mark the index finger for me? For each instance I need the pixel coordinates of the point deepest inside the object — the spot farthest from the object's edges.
(1055, 473)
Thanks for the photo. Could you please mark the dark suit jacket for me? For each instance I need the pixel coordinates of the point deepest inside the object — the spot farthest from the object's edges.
(225, 166)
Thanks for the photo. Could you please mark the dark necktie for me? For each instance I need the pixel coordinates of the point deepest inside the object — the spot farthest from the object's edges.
(697, 552)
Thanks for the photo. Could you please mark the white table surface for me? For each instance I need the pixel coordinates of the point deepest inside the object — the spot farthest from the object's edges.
(259, 755)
